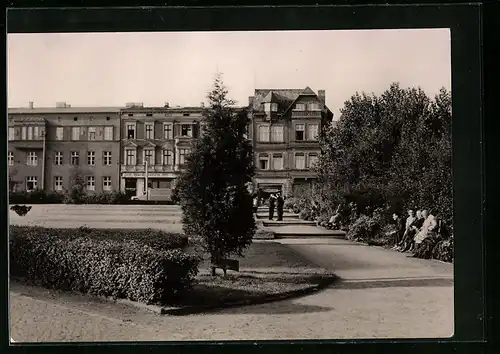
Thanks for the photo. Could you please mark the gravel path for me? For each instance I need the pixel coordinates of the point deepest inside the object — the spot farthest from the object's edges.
(383, 294)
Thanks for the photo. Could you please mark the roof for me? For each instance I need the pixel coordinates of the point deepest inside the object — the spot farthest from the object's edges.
(55, 110)
(284, 97)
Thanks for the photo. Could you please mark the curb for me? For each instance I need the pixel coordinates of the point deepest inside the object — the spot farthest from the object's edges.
(190, 310)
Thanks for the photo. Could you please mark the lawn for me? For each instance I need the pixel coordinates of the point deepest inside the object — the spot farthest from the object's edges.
(267, 269)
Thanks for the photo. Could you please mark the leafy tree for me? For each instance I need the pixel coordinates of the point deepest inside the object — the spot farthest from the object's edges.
(216, 203)
(393, 149)
(77, 192)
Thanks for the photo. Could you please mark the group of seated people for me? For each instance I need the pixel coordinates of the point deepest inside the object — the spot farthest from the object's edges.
(418, 226)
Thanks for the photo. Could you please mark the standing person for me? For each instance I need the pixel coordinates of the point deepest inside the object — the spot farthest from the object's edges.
(280, 202)
(272, 202)
(255, 203)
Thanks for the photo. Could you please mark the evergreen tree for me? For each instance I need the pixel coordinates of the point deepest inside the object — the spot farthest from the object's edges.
(216, 204)
(78, 188)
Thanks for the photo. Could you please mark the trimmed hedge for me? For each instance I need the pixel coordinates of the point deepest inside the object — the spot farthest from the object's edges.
(140, 266)
(40, 196)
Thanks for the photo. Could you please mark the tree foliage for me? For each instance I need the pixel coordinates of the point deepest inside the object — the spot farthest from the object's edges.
(216, 204)
(77, 192)
(393, 149)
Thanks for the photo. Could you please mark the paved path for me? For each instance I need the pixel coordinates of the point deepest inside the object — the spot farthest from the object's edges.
(383, 294)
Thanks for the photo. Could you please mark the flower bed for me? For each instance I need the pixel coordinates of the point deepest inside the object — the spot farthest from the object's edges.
(143, 265)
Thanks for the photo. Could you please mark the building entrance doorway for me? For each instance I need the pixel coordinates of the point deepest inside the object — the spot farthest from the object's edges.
(130, 186)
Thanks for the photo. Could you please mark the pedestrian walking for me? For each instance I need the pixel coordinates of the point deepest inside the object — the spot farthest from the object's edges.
(280, 202)
(272, 204)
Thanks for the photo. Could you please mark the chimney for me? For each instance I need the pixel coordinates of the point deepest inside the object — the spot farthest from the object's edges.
(61, 105)
(167, 105)
(321, 95)
(250, 100)
(30, 104)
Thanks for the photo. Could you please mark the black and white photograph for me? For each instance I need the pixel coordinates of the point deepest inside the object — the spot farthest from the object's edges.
(232, 185)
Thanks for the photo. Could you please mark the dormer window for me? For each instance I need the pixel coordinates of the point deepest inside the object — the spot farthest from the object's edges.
(271, 107)
(300, 107)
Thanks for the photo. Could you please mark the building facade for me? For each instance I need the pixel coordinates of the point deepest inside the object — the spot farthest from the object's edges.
(284, 129)
(154, 144)
(47, 145)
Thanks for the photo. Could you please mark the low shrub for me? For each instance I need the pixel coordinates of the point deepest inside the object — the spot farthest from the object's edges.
(89, 262)
(38, 196)
(436, 248)
(364, 229)
(289, 203)
(154, 238)
(264, 234)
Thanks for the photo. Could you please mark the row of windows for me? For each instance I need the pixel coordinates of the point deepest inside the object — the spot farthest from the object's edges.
(274, 133)
(168, 132)
(275, 161)
(32, 158)
(313, 106)
(149, 156)
(32, 183)
(37, 133)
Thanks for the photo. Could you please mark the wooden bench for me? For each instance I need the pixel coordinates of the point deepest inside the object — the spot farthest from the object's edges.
(226, 264)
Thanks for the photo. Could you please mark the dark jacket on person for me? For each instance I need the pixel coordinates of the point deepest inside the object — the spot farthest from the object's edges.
(418, 223)
(280, 202)
(272, 202)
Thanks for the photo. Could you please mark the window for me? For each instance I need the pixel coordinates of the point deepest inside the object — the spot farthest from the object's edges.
(264, 133)
(23, 133)
(91, 133)
(130, 131)
(299, 132)
(90, 183)
(75, 133)
(314, 106)
(149, 156)
(59, 133)
(277, 133)
(186, 130)
(108, 133)
(31, 183)
(75, 158)
(12, 134)
(263, 161)
(36, 133)
(30, 133)
(91, 158)
(167, 131)
(58, 183)
(300, 161)
(149, 131)
(182, 156)
(130, 155)
(106, 158)
(300, 107)
(313, 159)
(106, 183)
(313, 131)
(32, 159)
(58, 158)
(278, 161)
(168, 158)
(10, 158)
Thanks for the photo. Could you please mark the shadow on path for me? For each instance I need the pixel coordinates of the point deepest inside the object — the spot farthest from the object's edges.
(392, 283)
(284, 307)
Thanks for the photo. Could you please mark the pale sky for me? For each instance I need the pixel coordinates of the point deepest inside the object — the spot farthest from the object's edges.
(110, 69)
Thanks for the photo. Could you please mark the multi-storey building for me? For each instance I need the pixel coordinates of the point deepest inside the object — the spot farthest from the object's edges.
(47, 144)
(285, 124)
(155, 142)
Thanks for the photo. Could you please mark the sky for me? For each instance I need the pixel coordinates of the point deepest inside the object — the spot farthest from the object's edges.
(111, 69)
